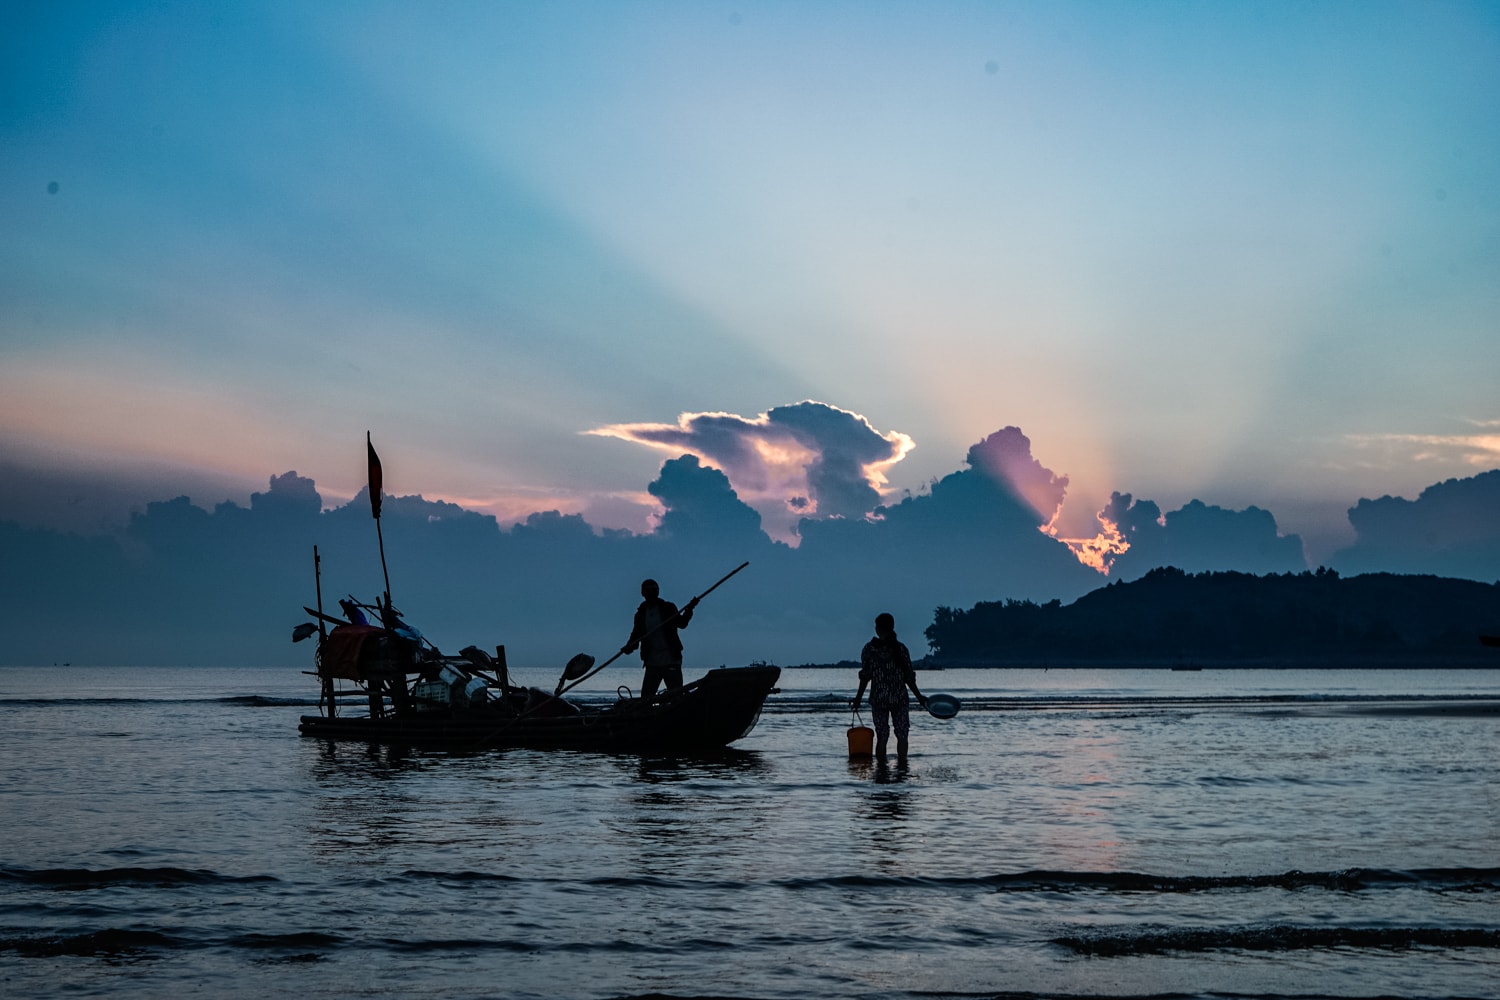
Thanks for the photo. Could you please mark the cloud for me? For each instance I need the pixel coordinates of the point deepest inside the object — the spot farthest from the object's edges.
(1480, 447)
(975, 531)
(188, 583)
(808, 458)
(1451, 529)
(1005, 456)
(701, 505)
(291, 493)
(95, 496)
(1196, 538)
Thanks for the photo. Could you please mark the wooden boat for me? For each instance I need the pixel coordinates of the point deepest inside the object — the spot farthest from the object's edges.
(416, 696)
(707, 714)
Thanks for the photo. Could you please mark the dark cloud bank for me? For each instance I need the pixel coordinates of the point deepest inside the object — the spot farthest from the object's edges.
(185, 585)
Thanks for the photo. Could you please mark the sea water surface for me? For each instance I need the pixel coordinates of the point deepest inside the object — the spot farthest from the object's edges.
(1100, 833)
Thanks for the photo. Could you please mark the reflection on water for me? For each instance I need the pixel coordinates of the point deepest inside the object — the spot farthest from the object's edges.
(1172, 834)
(342, 762)
(879, 769)
(889, 839)
(676, 805)
(361, 806)
(727, 763)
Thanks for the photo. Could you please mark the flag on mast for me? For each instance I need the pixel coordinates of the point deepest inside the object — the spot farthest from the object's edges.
(376, 478)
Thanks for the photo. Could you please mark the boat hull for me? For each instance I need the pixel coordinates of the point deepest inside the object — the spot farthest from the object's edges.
(721, 707)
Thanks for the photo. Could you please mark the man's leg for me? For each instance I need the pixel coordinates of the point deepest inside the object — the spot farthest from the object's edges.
(901, 722)
(651, 681)
(882, 718)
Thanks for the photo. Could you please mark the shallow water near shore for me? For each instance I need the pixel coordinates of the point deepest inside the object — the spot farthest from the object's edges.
(1071, 832)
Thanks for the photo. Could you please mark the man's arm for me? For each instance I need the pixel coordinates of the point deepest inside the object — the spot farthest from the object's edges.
(635, 635)
(911, 676)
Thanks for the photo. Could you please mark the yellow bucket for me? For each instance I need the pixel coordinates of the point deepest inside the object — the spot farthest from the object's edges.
(861, 741)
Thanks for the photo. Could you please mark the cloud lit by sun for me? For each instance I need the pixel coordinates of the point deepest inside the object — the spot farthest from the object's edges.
(1480, 448)
(816, 460)
(1099, 552)
(789, 462)
(1005, 456)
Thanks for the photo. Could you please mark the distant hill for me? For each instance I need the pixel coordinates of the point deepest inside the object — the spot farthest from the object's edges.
(1176, 618)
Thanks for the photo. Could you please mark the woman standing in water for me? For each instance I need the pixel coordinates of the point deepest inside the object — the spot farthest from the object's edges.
(885, 666)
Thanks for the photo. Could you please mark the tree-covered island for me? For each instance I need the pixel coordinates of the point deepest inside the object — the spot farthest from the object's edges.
(1173, 618)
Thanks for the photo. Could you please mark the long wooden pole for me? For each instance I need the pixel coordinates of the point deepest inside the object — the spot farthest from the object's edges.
(328, 693)
(380, 538)
(387, 613)
(561, 688)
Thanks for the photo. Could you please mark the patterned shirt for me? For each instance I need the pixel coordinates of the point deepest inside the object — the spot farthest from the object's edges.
(886, 666)
(656, 625)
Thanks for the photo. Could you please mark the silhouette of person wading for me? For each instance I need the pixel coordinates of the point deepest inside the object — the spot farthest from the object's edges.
(885, 666)
(655, 632)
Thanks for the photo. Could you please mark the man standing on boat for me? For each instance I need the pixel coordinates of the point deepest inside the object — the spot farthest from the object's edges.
(885, 666)
(655, 632)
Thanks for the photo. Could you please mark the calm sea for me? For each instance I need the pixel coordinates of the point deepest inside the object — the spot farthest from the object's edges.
(1103, 833)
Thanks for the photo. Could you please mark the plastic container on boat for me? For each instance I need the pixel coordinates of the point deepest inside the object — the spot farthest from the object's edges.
(464, 689)
(431, 692)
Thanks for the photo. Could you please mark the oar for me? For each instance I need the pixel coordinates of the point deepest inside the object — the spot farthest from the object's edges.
(578, 670)
(577, 667)
(326, 618)
(568, 682)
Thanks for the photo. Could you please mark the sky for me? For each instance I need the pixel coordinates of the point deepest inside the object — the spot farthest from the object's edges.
(1244, 255)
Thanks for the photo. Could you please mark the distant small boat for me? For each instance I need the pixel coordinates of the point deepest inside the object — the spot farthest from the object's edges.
(1490, 640)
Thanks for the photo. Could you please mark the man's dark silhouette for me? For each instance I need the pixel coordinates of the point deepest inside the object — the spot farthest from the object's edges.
(655, 632)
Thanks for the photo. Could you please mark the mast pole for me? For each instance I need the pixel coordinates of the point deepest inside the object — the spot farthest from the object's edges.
(395, 685)
(328, 692)
(377, 478)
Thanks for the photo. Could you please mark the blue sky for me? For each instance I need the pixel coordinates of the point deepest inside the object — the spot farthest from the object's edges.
(1242, 253)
